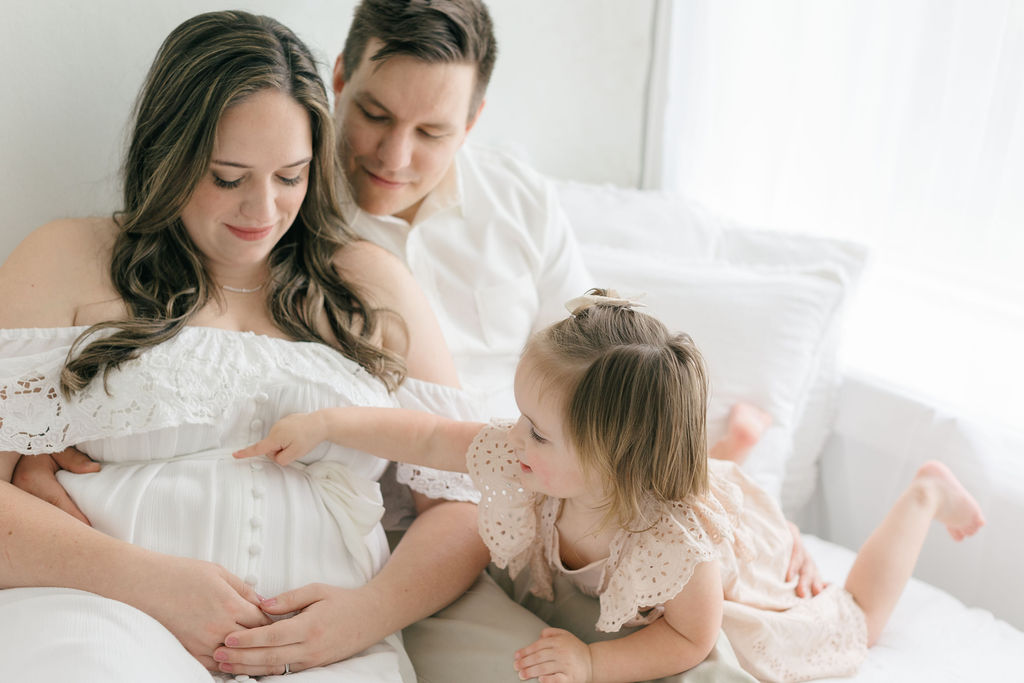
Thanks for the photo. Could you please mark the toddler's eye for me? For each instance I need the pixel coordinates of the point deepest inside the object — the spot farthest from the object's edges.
(537, 437)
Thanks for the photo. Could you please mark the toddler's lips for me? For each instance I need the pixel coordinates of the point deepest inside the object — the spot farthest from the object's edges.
(524, 467)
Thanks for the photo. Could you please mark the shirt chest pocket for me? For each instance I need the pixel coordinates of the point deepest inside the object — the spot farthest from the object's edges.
(507, 311)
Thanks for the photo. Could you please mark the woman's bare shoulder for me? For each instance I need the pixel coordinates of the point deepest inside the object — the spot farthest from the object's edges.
(57, 268)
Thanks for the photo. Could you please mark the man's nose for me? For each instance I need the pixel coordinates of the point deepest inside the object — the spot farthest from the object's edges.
(395, 150)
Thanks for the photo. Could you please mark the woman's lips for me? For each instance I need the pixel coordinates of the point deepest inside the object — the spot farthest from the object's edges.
(250, 234)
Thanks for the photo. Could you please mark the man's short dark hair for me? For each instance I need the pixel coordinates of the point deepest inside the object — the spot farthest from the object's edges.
(433, 31)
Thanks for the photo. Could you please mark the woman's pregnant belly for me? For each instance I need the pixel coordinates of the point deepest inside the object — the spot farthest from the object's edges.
(264, 523)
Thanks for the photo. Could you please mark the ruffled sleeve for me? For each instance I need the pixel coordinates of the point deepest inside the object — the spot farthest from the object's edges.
(509, 515)
(193, 378)
(449, 402)
(34, 416)
(646, 569)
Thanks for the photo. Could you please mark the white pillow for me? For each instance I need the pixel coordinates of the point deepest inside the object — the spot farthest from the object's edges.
(639, 220)
(762, 331)
(738, 245)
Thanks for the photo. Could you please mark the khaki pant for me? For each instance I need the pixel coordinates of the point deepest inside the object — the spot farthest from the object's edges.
(473, 639)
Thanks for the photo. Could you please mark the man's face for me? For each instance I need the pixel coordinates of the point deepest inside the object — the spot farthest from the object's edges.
(400, 123)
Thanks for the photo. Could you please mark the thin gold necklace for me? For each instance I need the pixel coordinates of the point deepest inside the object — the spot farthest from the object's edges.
(244, 290)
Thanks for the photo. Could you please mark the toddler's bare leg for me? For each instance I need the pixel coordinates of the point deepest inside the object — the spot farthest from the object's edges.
(886, 560)
(746, 424)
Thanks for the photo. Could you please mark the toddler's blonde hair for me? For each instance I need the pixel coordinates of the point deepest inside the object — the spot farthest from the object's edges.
(635, 404)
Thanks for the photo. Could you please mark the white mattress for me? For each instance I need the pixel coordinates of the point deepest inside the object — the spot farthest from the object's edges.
(931, 636)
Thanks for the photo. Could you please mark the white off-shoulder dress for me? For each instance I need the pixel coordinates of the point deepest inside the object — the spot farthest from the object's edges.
(776, 635)
(164, 428)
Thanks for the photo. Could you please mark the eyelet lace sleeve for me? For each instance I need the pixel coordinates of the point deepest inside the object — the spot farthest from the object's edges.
(648, 568)
(509, 515)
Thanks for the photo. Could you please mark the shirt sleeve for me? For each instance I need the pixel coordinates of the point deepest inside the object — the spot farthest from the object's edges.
(563, 274)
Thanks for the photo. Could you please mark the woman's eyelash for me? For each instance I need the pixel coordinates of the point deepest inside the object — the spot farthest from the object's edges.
(226, 184)
(232, 184)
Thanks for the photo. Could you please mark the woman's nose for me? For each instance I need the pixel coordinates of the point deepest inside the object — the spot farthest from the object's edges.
(259, 203)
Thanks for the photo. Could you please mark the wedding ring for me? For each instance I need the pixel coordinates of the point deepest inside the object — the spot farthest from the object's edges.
(287, 669)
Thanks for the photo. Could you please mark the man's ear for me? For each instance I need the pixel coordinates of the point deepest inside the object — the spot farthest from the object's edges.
(338, 78)
(473, 119)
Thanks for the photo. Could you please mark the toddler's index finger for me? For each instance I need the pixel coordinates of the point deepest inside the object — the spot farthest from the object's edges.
(258, 448)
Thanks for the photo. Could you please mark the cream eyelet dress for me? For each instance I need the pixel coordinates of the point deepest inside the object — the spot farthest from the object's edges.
(776, 635)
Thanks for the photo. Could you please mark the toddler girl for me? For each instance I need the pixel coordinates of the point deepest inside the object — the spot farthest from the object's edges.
(605, 479)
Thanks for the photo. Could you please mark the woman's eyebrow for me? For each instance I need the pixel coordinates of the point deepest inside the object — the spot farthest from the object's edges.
(235, 164)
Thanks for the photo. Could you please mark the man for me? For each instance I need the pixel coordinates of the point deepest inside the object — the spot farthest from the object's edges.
(483, 235)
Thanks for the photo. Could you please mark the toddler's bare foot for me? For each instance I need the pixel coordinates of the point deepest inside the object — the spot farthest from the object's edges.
(746, 425)
(957, 508)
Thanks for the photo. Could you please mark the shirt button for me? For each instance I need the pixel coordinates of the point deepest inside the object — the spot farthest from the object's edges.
(257, 492)
(252, 579)
(256, 466)
(256, 522)
(262, 397)
(255, 549)
(256, 424)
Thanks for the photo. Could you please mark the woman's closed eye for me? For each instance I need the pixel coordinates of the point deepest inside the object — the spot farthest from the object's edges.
(232, 184)
(226, 184)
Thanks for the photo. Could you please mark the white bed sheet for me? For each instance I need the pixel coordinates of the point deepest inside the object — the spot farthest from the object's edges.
(931, 636)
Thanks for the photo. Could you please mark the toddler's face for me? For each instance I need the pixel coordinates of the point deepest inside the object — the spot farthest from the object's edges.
(548, 461)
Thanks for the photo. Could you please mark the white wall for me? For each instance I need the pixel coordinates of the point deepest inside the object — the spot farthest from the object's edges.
(567, 92)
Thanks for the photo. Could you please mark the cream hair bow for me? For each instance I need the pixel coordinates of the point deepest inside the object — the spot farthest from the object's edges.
(612, 298)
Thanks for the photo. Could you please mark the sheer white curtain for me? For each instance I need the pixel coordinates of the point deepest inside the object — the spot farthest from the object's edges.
(897, 123)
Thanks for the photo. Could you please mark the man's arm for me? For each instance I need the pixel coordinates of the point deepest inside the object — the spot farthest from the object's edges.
(563, 275)
(37, 474)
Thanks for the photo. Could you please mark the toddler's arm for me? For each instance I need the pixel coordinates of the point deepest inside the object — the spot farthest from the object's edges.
(408, 436)
(680, 640)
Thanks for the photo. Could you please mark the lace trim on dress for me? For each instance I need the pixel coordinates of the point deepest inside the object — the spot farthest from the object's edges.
(187, 379)
(509, 515)
(648, 568)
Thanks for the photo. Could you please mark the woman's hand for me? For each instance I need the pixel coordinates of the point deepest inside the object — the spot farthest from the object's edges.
(803, 568)
(199, 602)
(329, 626)
(37, 474)
(556, 657)
(289, 439)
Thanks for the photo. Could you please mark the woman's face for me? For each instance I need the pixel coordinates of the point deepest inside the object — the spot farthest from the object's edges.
(254, 186)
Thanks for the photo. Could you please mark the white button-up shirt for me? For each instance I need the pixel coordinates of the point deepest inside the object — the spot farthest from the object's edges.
(496, 258)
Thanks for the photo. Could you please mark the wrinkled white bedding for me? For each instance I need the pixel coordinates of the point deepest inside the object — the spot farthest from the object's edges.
(931, 636)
